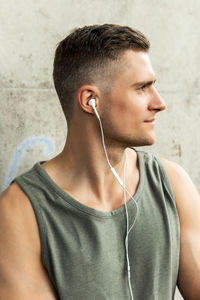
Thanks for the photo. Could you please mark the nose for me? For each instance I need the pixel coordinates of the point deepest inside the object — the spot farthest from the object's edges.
(156, 103)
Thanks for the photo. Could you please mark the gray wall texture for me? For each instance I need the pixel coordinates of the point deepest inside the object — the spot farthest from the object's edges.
(32, 125)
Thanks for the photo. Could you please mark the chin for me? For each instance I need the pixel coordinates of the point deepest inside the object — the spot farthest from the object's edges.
(143, 142)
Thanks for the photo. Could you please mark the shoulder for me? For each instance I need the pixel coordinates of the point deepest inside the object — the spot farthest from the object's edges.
(18, 225)
(13, 198)
(179, 178)
(20, 259)
(172, 167)
(188, 205)
(185, 193)
(15, 208)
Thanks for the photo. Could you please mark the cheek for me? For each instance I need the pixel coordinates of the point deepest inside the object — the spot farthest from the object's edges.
(124, 116)
(131, 108)
(125, 108)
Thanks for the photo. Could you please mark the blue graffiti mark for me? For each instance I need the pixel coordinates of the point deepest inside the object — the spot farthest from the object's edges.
(25, 146)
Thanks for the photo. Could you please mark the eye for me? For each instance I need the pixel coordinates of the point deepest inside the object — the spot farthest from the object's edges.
(142, 88)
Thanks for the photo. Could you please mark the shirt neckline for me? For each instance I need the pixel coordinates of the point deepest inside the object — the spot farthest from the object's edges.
(87, 209)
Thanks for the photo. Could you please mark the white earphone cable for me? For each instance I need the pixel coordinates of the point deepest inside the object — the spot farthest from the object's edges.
(127, 231)
(125, 203)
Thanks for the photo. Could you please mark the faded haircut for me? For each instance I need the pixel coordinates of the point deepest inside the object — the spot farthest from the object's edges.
(85, 57)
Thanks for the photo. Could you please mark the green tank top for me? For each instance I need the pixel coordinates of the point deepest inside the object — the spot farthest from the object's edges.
(83, 248)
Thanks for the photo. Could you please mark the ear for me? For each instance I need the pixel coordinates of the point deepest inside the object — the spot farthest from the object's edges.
(84, 94)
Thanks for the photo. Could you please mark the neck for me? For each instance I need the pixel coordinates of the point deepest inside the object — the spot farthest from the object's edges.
(82, 169)
(86, 159)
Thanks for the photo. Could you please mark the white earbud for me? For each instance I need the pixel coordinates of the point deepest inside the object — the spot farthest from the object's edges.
(92, 102)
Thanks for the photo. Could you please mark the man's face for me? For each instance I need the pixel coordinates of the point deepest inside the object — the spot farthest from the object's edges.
(129, 111)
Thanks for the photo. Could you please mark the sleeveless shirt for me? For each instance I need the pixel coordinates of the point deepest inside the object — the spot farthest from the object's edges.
(83, 249)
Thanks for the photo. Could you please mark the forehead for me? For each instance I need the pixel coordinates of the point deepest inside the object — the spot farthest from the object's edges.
(136, 65)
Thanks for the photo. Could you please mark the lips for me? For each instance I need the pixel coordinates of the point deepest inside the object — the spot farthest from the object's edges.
(150, 121)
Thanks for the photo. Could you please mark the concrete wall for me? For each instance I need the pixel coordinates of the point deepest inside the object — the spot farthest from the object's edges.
(32, 126)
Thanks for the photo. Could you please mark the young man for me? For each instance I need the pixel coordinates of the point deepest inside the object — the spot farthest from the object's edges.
(63, 224)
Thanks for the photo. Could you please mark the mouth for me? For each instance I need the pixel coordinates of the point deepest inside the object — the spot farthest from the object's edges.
(152, 121)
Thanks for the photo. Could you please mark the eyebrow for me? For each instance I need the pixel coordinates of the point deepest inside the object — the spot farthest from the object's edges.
(144, 83)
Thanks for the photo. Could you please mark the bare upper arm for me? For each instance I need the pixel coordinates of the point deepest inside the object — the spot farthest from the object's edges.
(188, 206)
(22, 275)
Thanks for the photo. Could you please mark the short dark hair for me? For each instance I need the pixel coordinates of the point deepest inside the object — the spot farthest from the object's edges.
(82, 56)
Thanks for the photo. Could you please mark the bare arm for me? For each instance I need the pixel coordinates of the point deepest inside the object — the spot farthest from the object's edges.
(22, 275)
(188, 205)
